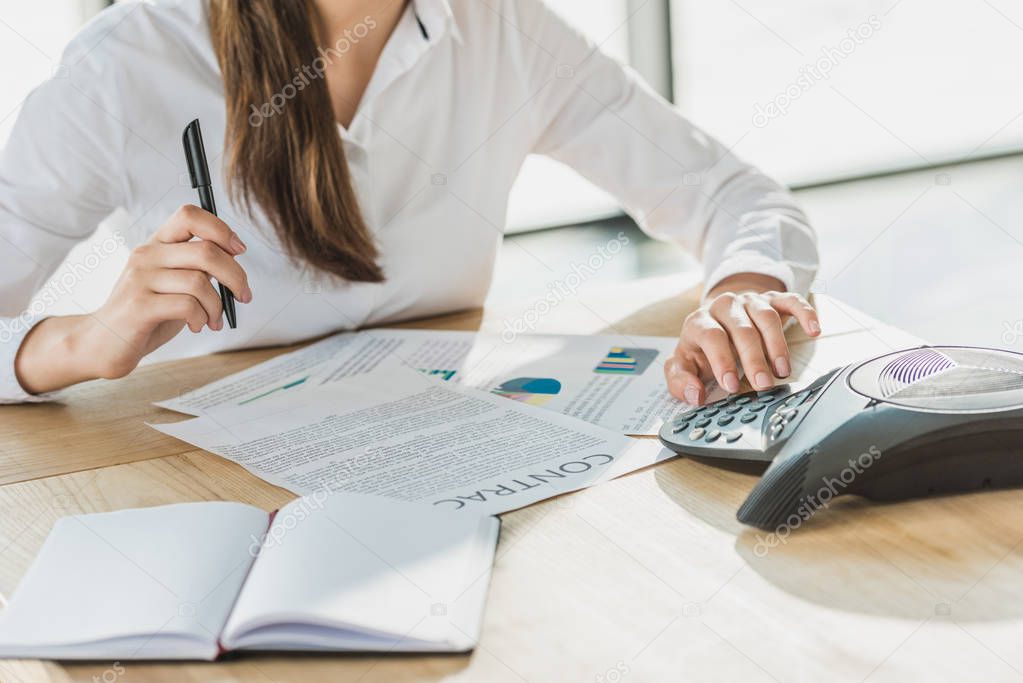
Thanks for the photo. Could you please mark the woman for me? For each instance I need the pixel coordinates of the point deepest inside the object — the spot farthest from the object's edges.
(369, 148)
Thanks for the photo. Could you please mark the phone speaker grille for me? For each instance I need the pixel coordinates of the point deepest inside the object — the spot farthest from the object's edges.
(909, 368)
(946, 378)
(778, 495)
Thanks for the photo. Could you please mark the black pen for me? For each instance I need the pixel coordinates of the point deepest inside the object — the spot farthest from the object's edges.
(199, 171)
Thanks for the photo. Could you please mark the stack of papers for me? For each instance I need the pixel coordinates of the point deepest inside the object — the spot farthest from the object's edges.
(467, 422)
(616, 382)
(403, 434)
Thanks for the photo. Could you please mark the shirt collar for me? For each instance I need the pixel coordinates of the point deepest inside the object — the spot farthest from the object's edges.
(421, 28)
(436, 17)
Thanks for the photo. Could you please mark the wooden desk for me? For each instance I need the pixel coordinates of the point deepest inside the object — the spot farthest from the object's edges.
(647, 578)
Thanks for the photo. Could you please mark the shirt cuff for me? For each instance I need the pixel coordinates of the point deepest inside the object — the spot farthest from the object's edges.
(12, 332)
(752, 262)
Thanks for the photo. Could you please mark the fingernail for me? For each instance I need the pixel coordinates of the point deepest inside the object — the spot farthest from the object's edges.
(731, 382)
(763, 380)
(692, 395)
(246, 296)
(237, 246)
(815, 327)
(781, 366)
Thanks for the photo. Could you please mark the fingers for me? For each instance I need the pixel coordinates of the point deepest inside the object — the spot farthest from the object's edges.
(769, 324)
(163, 307)
(706, 334)
(193, 283)
(200, 255)
(190, 221)
(747, 325)
(683, 377)
(795, 305)
(731, 314)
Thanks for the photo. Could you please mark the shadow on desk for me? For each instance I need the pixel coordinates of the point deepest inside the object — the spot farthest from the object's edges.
(917, 559)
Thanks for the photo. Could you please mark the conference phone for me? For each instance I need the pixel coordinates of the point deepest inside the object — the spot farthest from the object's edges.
(911, 423)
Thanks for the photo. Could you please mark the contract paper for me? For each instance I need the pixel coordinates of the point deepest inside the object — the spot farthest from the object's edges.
(616, 382)
(402, 434)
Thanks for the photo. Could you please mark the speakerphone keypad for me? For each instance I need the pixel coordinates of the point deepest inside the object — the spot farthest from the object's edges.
(749, 423)
(745, 411)
(754, 413)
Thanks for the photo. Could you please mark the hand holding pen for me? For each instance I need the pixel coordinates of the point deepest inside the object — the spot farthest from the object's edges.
(164, 287)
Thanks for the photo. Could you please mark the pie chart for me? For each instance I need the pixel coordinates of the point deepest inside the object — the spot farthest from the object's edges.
(535, 391)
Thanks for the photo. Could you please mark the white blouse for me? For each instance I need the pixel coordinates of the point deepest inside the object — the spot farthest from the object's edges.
(463, 91)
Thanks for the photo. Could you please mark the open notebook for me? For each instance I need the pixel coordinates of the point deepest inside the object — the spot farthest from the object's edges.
(342, 573)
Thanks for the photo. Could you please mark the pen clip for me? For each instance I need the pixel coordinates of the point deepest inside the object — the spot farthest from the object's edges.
(195, 155)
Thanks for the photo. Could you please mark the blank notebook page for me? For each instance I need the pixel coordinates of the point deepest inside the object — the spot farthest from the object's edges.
(172, 572)
(365, 566)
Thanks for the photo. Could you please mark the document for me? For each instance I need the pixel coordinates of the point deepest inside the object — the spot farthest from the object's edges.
(403, 434)
(195, 580)
(616, 382)
(287, 369)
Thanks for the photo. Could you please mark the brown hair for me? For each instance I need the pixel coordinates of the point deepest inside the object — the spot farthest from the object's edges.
(292, 163)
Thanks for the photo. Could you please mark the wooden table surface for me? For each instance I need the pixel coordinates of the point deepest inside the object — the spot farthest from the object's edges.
(646, 578)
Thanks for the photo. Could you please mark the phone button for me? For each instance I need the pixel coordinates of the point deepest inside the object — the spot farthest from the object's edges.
(732, 437)
(697, 433)
(748, 417)
(725, 419)
(713, 436)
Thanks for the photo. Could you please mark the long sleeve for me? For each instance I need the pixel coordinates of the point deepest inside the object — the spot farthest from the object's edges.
(676, 181)
(59, 177)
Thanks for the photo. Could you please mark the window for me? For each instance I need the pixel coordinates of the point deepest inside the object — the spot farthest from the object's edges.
(815, 90)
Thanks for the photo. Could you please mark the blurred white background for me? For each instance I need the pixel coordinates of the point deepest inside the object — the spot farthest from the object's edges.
(924, 81)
